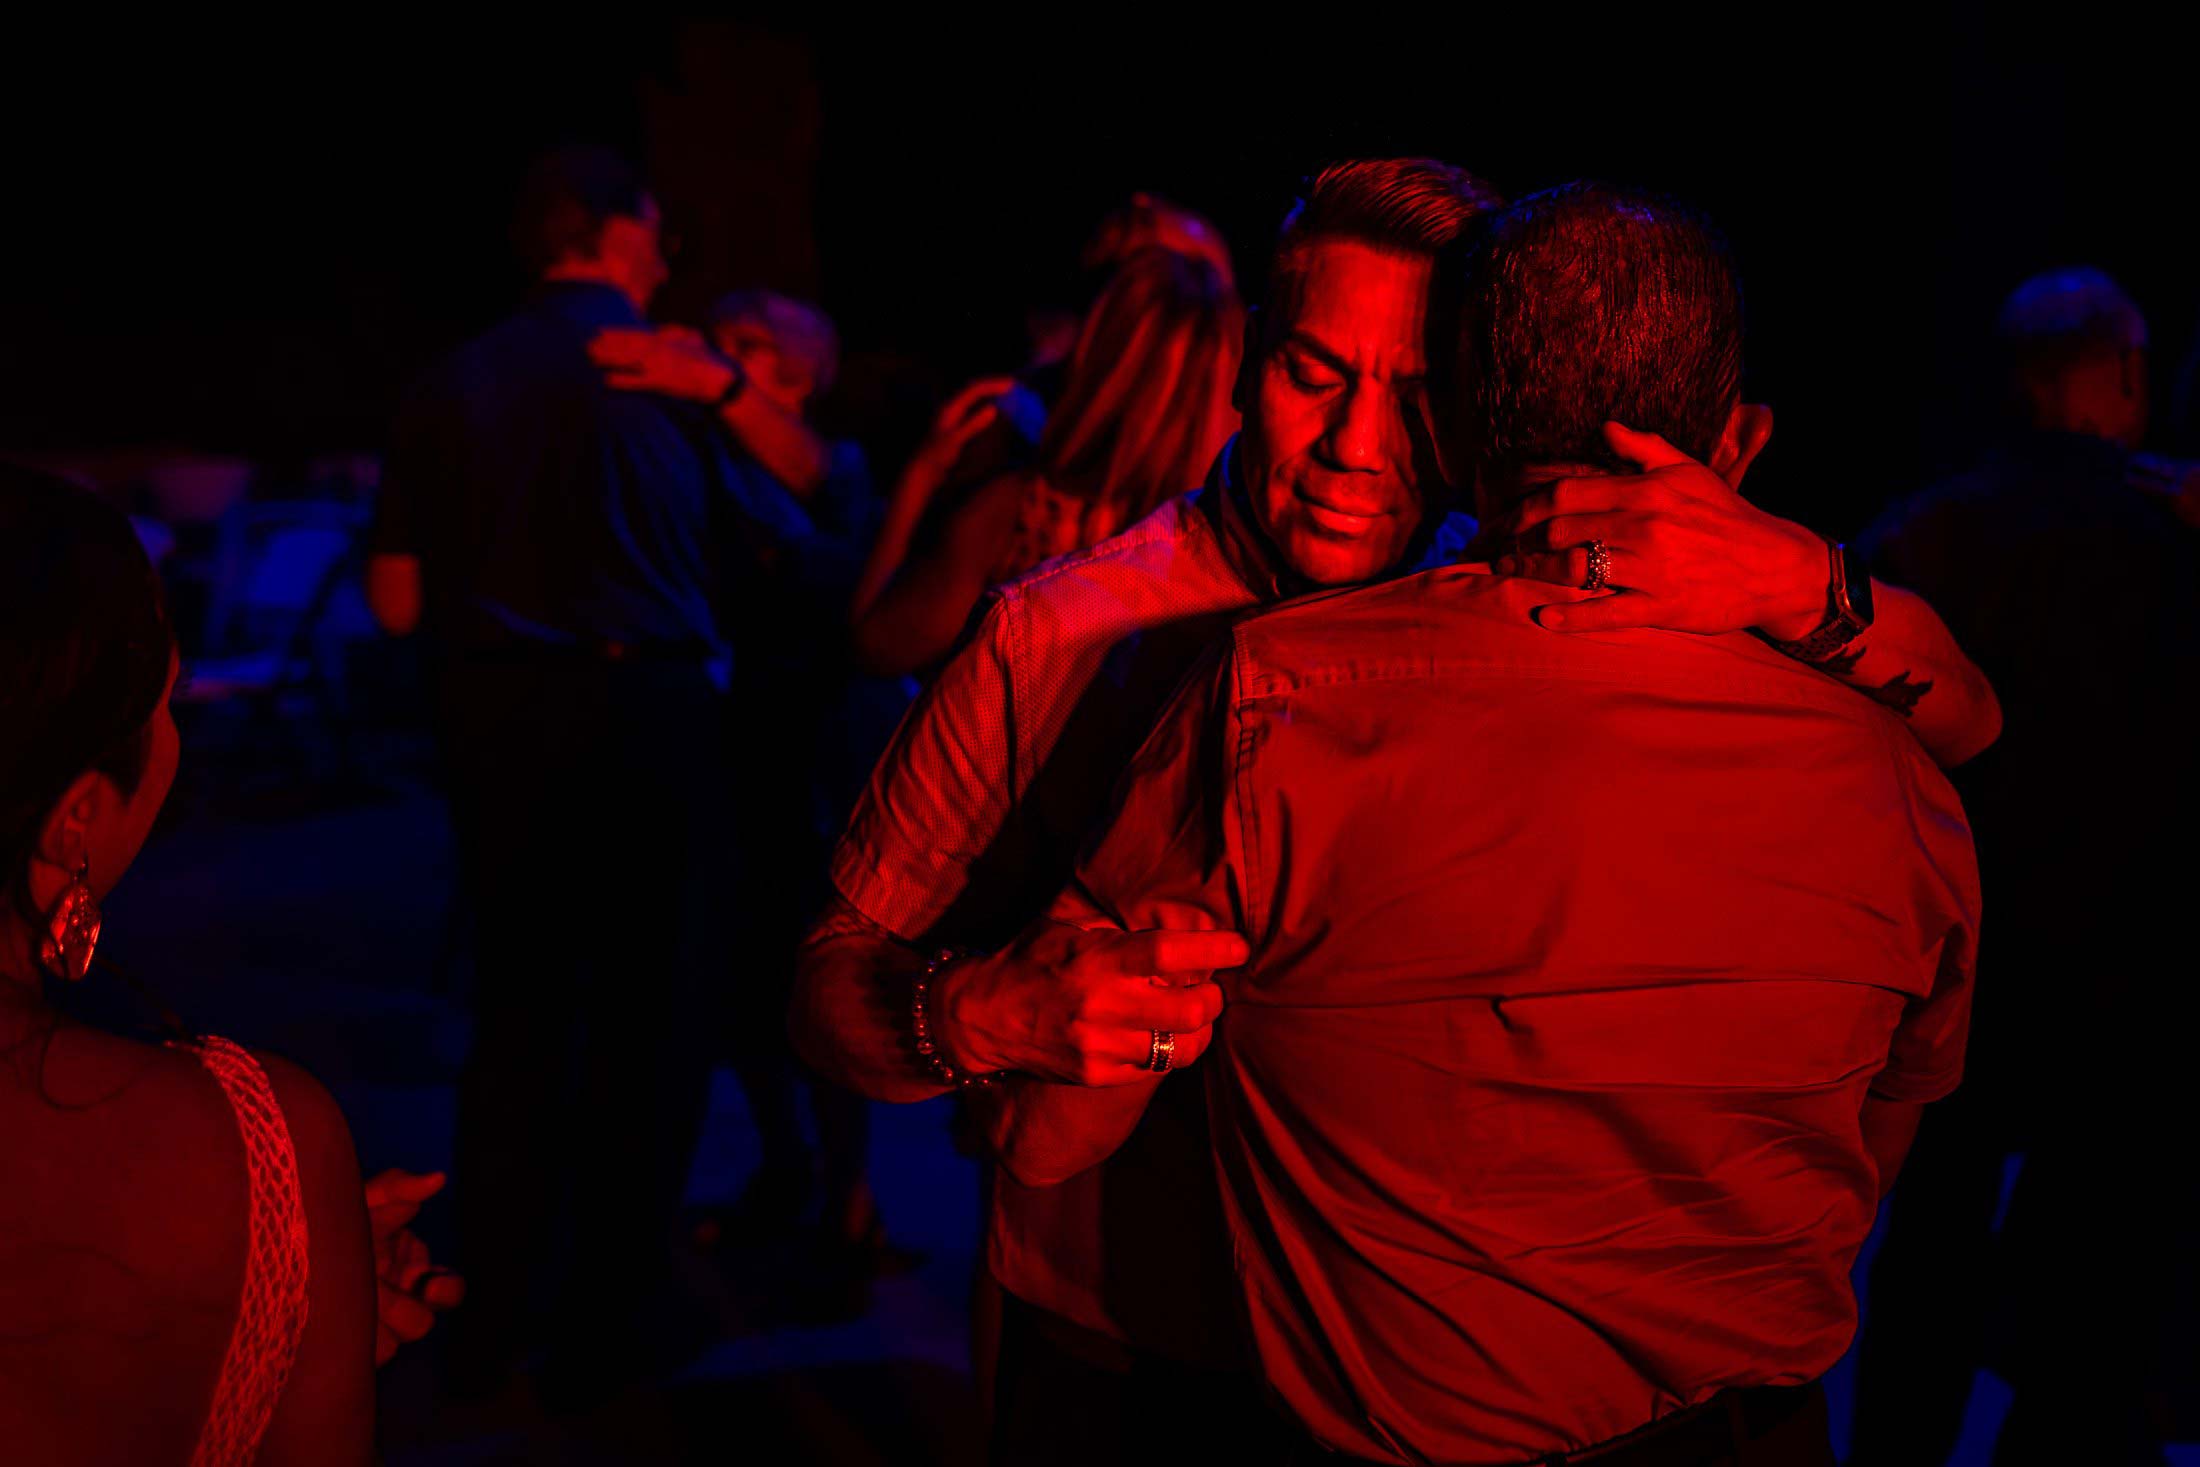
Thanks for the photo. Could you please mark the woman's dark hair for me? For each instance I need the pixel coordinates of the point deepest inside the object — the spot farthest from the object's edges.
(85, 648)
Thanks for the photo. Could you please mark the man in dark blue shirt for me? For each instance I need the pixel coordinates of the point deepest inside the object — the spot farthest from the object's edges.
(826, 727)
(2068, 575)
(573, 549)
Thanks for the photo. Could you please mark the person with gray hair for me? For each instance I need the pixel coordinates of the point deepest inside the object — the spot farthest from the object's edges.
(2061, 565)
(789, 348)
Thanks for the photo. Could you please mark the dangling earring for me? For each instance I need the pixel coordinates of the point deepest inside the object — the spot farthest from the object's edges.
(72, 931)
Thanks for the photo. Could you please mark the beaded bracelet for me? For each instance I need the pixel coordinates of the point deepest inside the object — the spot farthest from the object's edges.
(935, 1060)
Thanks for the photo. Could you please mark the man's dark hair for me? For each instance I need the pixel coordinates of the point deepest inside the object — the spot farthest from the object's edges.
(564, 200)
(2052, 322)
(1588, 302)
(1411, 206)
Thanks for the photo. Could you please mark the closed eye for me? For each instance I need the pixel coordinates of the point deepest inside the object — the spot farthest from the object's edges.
(1309, 374)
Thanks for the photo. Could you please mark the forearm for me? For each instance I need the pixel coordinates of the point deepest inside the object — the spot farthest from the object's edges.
(916, 621)
(1045, 1133)
(849, 1018)
(913, 492)
(1889, 1128)
(789, 449)
(394, 592)
(1909, 661)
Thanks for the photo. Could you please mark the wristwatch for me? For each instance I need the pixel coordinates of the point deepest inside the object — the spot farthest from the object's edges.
(1848, 608)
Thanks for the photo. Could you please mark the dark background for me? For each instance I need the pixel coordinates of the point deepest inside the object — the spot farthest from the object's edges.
(246, 241)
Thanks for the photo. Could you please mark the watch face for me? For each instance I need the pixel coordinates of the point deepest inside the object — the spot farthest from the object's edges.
(1856, 585)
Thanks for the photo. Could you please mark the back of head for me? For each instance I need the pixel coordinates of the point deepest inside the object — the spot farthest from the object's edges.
(2073, 340)
(802, 334)
(566, 198)
(1407, 206)
(1586, 303)
(1147, 402)
(85, 648)
(1149, 222)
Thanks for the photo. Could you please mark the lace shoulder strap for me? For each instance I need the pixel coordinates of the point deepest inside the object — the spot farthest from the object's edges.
(271, 1312)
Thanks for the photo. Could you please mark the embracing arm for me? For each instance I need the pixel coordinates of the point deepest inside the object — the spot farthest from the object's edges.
(1166, 860)
(967, 414)
(1062, 1007)
(1908, 660)
(792, 451)
(677, 362)
(1689, 554)
(850, 1016)
(1889, 1128)
(912, 616)
(1074, 1011)
(1060, 1003)
(1044, 1134)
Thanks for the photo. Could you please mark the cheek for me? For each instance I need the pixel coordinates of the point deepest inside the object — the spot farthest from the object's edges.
(1286, 421)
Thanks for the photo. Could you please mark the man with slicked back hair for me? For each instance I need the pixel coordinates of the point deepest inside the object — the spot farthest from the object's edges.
(1594, 982)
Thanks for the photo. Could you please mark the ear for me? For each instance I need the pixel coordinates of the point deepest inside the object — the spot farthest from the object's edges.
(1245, 391)
(612, 239)
(1748, 429)
(90, 802)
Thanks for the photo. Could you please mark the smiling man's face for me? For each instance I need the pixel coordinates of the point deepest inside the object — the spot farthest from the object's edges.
(1335, 448)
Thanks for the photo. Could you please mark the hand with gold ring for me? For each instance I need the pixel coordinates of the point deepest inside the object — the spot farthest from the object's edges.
(1681, 549)
(1084, 1007)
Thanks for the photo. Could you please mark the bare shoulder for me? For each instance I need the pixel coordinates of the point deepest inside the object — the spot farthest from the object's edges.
(137, 1087)
(317, 1129)
(122, 1242)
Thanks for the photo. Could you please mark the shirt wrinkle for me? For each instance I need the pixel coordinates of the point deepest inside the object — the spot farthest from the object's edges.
(1685, 905)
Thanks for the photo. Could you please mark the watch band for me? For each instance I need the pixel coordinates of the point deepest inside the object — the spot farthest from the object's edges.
(1848, 608)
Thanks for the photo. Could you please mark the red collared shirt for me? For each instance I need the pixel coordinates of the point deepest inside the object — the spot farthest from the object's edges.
(1575, 959)
(973, 822)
